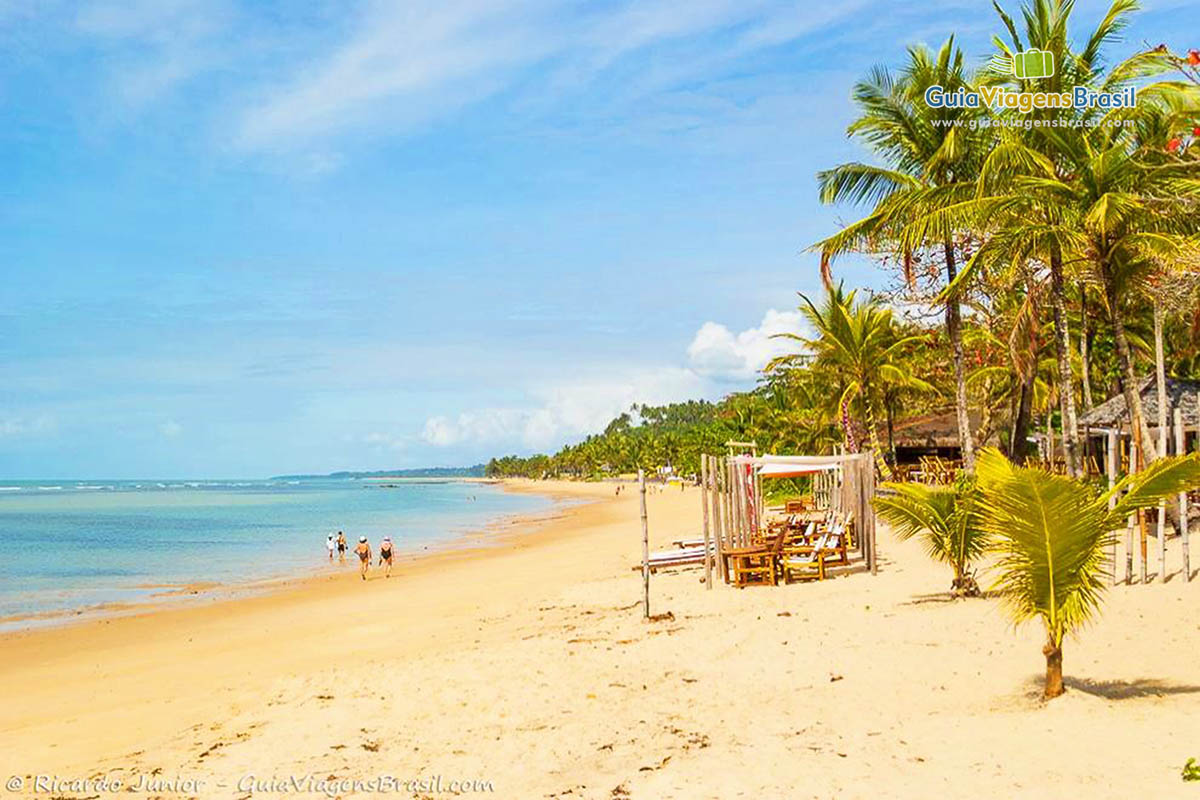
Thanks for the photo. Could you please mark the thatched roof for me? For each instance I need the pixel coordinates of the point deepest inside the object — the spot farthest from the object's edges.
(938, 429)
(1181, 394)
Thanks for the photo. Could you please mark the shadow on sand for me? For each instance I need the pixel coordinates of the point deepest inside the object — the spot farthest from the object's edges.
(1126, 690)
(943, 597)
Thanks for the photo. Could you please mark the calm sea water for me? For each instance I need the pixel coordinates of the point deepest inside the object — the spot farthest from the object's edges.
(69, 545)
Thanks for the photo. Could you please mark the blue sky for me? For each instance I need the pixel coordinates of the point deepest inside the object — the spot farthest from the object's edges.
(248, 238)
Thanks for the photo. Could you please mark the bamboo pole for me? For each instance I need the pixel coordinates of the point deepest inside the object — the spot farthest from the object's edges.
(704, 511)
(715, 474)
(645, 547)
(1110, 467)
(1183, 509)
(1160, 378)
(1132, 520)
(743, 517)
(727, 499)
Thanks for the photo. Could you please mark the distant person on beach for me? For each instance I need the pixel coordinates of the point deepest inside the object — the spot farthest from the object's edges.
(385, 556)
(364, 556)
(341, 546)
(330, 544)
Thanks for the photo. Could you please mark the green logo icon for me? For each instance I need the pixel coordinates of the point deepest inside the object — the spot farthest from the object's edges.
(1030, 64)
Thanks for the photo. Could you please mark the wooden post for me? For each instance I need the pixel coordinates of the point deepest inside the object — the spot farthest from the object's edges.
(743, 520)
(731, 531)
(714, 474)
(1183, 506)
(1161, 528)
(645, 547)
(1110, 467)
(1050, 439)
(704, 508)
(1132, 521)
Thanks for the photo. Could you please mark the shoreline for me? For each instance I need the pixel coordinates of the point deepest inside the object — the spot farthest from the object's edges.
(198, 592)
(465, 663)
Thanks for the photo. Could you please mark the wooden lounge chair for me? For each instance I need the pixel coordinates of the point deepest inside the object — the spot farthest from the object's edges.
(835, 547)
(804, 562)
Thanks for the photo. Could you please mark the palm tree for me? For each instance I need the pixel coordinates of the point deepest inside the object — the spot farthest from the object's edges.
(858, 340)
(1041, 237)
(1052, 533)
(946, 518)
(924, 150)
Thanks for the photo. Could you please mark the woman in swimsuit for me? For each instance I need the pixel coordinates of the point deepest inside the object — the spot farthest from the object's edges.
(385, 555)
(364, 557)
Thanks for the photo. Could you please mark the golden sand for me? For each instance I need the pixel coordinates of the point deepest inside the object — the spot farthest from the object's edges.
(525, 664)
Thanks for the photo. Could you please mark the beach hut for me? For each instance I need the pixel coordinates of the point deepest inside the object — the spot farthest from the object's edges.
(1113, 415)
(1107, 444)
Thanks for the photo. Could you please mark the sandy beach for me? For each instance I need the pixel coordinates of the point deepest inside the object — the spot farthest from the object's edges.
(525, 665)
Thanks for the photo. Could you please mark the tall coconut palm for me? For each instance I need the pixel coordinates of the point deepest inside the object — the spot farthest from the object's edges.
(1052, 533)
(946, 519)
(922, 148)
(1046, 27)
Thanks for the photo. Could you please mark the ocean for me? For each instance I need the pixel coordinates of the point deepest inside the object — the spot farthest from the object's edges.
(67, 546)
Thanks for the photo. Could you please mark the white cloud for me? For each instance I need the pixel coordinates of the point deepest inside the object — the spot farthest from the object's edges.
(566, 410)
(384, 440)
(27, 426)
(405, 64)
(718, 352)
(424, 57)
(170, 429)
(154, 45)
(584, 406)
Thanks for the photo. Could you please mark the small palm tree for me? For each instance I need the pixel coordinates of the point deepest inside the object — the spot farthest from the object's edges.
(1051, 533)
(946, 518)
(859, 340)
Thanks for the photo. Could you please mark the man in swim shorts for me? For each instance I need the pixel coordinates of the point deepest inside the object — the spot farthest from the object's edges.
(341, 547)
(363, 551)
(385, 555)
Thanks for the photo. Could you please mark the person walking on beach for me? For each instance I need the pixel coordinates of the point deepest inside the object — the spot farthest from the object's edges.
(385, 556)
(330, 545)
(364, 557)
(341, 547)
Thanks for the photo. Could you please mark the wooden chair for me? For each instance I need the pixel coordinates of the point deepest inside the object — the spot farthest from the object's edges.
(755, 566)
(803, 562)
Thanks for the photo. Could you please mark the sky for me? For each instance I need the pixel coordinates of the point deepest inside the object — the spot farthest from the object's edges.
(241, 239)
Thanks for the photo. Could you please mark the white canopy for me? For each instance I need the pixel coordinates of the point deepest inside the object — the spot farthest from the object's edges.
(796, 470)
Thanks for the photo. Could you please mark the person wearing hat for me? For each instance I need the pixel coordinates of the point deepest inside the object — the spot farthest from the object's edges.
(364, 556)
(385, 555)
(329, 545)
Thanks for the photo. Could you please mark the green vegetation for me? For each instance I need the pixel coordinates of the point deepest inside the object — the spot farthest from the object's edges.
(946, 519)
(1051, 533)
(1054, 244)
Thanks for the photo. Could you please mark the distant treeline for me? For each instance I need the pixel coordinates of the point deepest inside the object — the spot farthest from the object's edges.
(779, 415)
(476, 471)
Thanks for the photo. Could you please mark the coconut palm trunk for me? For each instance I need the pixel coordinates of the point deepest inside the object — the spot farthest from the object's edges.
(1062, 348)
(1147, 452)
(954, 332)
(1054, 675)
(873, 432)
(1020, 430)
(1085, 364)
